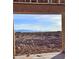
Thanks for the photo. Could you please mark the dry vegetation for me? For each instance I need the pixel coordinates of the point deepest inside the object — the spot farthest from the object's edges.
(37, 42)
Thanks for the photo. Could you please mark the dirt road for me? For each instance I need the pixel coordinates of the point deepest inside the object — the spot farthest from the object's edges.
(39, 56)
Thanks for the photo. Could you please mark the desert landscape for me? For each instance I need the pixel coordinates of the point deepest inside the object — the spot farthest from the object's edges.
(38, 37)
(37, 42)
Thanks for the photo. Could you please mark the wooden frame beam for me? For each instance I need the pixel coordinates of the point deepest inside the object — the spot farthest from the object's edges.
(38, 8)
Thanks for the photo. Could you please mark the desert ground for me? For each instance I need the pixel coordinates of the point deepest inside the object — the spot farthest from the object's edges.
(38, 45)
(37, 42)
(38, 56)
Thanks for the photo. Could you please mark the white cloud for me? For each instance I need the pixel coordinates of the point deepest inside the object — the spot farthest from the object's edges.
(27, 27)
(37, 27)
(48, 17)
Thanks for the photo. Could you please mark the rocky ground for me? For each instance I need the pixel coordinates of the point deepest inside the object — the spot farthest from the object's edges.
(39, 56)
(37, 42)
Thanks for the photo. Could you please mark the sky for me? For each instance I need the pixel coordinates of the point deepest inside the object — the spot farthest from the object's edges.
(38, 22)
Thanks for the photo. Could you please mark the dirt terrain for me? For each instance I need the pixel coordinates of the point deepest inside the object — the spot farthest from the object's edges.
(38, 56)
(37, 42)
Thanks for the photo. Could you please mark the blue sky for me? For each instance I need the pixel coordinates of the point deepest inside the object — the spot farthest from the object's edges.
(37, 22)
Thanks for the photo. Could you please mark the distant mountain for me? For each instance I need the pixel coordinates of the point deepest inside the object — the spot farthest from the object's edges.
(22, 30)
(25, 31)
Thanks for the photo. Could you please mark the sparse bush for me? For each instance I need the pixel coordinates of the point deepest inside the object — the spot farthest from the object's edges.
(51, 42)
